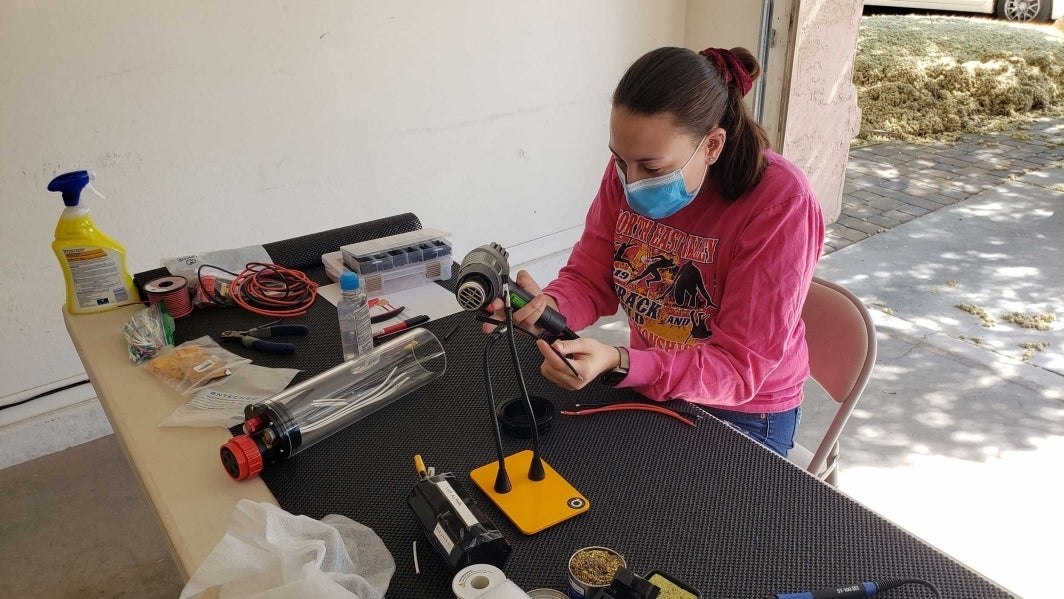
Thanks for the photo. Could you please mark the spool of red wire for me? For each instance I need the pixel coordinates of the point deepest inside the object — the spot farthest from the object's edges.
(172, 292)
(273, 290)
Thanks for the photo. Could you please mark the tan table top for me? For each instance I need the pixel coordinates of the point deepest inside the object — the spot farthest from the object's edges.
(177, 467)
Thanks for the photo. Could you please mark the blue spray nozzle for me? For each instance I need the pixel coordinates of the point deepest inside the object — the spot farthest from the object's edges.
(70, 185)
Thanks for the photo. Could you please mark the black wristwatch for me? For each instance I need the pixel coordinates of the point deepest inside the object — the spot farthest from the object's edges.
(615, 376)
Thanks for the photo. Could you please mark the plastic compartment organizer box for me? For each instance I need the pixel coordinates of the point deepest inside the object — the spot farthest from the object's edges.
(394, 263)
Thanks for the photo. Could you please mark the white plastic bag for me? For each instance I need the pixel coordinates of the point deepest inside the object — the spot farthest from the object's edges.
(221, 403)
(267, 552)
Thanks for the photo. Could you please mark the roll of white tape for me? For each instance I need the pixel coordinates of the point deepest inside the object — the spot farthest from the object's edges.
(473, 581)
(508, 589)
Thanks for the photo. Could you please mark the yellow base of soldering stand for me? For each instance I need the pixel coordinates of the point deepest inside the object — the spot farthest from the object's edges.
(532, 505)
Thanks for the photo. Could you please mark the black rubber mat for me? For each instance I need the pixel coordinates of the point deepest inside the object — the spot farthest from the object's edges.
(704, 504)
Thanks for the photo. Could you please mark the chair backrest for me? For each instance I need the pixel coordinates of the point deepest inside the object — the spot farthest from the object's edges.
(842, 351)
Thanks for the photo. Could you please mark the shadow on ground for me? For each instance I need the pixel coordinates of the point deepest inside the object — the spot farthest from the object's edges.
(945, 384)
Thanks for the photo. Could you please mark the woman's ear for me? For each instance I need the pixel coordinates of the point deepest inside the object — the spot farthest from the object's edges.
(715, 140)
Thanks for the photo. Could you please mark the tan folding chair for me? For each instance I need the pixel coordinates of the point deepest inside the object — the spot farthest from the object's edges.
(842, 351)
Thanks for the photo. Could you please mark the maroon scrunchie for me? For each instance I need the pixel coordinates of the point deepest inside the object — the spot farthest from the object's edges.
(730, 67)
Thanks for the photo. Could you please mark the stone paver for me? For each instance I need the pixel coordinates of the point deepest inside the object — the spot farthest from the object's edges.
(890, 183)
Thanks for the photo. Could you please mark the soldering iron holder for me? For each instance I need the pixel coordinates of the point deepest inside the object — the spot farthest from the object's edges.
(513, 416)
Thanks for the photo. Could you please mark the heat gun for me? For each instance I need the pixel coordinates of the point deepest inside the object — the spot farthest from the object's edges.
(480, 280)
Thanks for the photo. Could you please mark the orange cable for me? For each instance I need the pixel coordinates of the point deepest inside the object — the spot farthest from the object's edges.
(273, 290)
(617, 407)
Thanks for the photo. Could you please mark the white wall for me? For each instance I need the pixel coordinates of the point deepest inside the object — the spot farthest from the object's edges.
(220, 124)
(706, 25)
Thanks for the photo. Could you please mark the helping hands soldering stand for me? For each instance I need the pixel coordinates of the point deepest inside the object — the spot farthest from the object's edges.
(543, 498)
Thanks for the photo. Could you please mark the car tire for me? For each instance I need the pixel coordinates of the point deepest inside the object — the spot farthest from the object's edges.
(1023, 10)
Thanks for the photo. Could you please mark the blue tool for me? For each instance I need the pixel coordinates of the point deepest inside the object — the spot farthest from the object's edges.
(859, 590)
(253, 337)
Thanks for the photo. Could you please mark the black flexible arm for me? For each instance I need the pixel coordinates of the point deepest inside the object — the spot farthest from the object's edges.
(499, 323)
(502, 480)
(535, 470)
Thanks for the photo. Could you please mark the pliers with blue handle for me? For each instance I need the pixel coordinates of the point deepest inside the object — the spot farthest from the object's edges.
(253, 338)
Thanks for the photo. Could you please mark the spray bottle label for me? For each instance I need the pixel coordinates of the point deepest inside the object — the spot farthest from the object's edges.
(97, 276)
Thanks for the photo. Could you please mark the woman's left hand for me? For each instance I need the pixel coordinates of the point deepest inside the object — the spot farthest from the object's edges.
(590, 358)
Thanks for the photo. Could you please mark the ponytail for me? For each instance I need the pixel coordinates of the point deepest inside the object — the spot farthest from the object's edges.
(742, 162)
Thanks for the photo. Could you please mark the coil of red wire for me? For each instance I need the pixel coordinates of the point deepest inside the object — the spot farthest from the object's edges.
(273, 290)
(172, 292)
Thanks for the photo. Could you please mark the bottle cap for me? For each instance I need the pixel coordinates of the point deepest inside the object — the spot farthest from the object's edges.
(349, 281)
(70, 185)
(241, 457)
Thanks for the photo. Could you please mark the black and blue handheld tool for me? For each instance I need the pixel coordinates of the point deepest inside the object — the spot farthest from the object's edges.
(860, 590)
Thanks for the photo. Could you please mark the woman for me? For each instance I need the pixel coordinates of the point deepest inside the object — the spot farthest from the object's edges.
(706, 238)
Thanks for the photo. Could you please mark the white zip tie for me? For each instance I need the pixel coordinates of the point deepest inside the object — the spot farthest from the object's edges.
(417, 568)
(382, 389)
(354, 405)
(327, 403)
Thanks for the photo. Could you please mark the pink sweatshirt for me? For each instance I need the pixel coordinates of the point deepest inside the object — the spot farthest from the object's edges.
(713, 293)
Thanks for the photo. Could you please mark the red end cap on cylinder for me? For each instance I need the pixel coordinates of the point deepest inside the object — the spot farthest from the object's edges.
(241, 457)
(253, 424)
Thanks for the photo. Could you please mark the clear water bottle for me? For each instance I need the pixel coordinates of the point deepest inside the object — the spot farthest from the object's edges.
(356, 335)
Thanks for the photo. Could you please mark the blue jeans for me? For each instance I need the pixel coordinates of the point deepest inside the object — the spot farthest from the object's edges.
(775, 431)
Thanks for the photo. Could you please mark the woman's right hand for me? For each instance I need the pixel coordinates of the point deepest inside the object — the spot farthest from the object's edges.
(526, 316)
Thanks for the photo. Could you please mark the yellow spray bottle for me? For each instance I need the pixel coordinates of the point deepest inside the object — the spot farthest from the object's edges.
(94, 265)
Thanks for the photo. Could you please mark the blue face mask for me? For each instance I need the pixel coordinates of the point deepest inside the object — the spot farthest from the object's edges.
(660, 197)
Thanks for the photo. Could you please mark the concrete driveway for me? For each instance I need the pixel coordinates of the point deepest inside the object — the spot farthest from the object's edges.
(959, 437)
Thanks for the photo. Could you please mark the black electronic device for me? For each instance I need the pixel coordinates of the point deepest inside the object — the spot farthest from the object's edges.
(453, 522)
